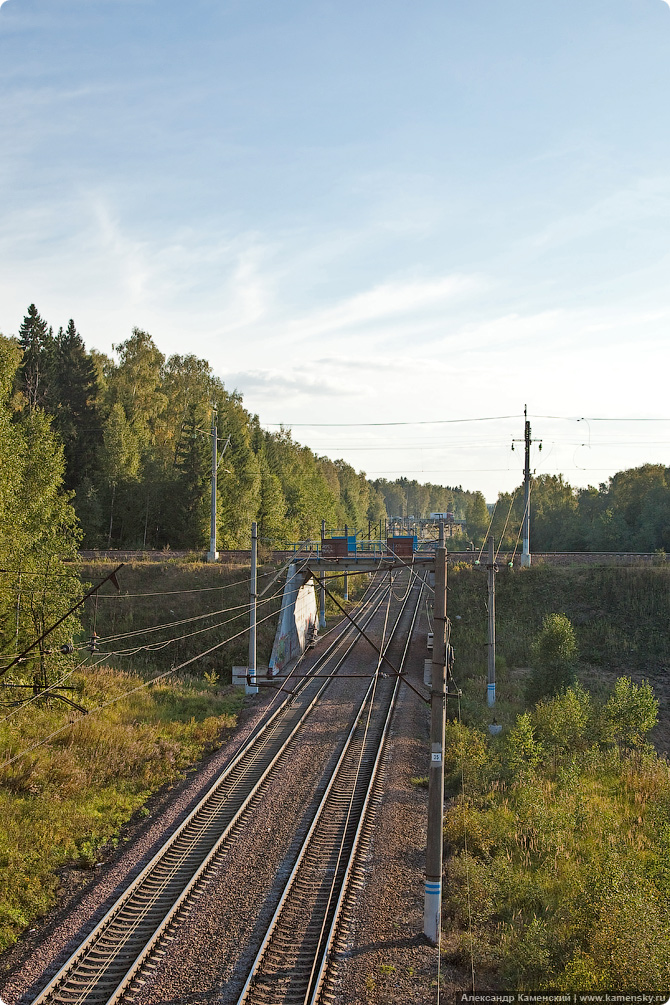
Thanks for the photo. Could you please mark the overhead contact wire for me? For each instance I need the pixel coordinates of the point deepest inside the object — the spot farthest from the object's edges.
(126, 694)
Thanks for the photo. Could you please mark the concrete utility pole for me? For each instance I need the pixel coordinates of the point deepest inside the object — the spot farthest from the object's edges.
(525, 554)
(346, 577)
(212, 554)
(492, 569)
(322, 580)
(432, 908)
(252, 687)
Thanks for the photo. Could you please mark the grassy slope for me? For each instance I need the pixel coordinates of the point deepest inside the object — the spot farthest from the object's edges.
(158, 593)
(65, 800)
(620, 617)
(564, 885)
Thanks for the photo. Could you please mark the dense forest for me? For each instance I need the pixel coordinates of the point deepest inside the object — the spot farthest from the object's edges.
(630, 512)
(136, 438)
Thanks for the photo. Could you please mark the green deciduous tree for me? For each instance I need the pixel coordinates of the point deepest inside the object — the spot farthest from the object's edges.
(120, 457)
(631, 711)
(38, 529)
(477, 517)
(554, 655)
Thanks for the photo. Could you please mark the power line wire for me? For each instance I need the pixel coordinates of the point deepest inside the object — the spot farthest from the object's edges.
(358, 425)
(185, 621)
(172, 593)
(158, 677)
(156, 646)
(126, 694)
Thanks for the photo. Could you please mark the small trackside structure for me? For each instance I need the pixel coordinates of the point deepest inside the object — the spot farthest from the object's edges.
(298, 620)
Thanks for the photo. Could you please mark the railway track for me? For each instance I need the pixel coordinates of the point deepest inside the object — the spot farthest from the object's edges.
(292, 962)
(105, 965)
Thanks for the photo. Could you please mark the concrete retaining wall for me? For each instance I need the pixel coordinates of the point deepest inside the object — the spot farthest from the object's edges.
(297, 621)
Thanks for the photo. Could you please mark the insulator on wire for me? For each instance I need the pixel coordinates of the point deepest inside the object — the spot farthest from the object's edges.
(93, 643)
(67, 649)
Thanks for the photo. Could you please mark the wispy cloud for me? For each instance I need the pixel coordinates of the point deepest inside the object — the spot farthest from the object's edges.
(285, 384)
(647, 199)
(383, 302)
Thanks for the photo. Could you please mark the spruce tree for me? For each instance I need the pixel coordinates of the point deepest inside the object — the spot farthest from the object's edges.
(187, 521)
(75, 389)
(34, 374)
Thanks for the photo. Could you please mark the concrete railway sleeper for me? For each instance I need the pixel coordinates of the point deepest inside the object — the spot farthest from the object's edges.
(292, 962)
(104, 966)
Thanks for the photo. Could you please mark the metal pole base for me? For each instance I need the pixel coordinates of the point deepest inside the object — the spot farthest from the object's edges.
(431, 910)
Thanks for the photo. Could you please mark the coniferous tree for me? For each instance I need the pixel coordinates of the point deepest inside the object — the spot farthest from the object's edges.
(34, 374)
(75, 392)
(186, 519)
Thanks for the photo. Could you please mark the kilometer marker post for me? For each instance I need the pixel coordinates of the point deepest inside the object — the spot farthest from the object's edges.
(432, 909)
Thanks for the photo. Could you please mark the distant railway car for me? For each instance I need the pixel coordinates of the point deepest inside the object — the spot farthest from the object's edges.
(447, 517)
(403, 547)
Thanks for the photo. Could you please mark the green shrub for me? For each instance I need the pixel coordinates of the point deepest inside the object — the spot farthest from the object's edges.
(523, 752)
(558, 874)
(631, 711)
(563, 723)
(554, 656)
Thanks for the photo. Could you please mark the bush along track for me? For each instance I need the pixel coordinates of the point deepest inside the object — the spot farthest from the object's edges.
(557, 831)
(558, 845)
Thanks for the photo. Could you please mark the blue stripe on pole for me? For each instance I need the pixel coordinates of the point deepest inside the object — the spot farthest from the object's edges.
(433, 888)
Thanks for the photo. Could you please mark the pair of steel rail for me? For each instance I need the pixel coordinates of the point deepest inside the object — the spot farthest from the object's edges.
(103, 968)
(292, 962)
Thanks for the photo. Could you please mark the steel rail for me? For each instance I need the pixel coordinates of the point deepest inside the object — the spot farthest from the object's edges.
(317, 983)
(149, 905)
(333, 835)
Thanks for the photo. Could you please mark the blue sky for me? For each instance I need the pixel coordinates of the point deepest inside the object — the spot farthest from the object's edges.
(360, 212)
